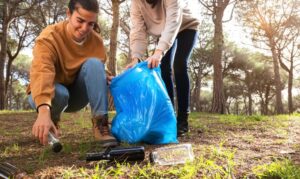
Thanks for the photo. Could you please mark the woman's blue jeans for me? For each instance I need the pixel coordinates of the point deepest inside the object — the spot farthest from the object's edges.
(178, 56)
(90, 86)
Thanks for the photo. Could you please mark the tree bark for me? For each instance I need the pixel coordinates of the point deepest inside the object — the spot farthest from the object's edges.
(267, 99)
(112, 63)
(290, 86)
(250, 103)
(114, 37)
(278, 106)
(8, 77)
(5, 21)
(218, 93)
(11, 10)
(195, 98)
(236, 106)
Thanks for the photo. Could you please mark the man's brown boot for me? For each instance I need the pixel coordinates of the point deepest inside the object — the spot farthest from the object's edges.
(102, 132)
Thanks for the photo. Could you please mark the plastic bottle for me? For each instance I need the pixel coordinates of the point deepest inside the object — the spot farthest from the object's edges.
(172, 155)
(136, 153)
(54, 142)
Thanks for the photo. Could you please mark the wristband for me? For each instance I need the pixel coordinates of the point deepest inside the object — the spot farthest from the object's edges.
(37, 109)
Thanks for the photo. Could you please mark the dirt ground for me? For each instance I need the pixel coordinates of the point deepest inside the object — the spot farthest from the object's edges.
(254, 143)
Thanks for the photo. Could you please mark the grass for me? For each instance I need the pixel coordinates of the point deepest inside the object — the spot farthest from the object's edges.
(67, 148)
(82, 122)
(218, 163)
(296, 146)
(44, 155)
(14, 149)
(241, 119)
(15, 111)
(248, 138)
(222, 144)
(208, 165)
(278, 169)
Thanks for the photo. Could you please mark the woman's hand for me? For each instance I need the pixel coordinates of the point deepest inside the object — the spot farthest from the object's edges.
(43, 125)
(109, 78)
(154, 60)
(133, 62)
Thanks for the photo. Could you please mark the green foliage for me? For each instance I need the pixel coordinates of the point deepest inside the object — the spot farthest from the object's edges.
(84, 147)
(237, 119)
(16, 95)
(14, 149)
(44, 155)
(218, 164)
(69, 173)
(67, 148)
(105, 29)
(14, 112)
(296, 114)
(82, 121)
(278, 169)
(220, 157)
(122, 62)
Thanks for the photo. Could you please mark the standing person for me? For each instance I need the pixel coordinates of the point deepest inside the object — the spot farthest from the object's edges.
(175, 26)
(68, 72)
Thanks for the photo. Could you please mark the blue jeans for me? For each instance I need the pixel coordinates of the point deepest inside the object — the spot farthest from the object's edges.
(178, 56)
(90, 86)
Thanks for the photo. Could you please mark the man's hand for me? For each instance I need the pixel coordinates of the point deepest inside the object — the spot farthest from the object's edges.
(133, 62)
(43, 125)
(154, 60)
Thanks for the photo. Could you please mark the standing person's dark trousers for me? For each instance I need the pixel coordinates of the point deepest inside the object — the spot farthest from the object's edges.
(178, 56)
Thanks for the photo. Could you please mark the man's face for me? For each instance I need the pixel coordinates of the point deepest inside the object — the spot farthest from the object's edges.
(81, 23)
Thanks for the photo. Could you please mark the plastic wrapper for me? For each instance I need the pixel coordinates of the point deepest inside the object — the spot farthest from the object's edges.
(144, 111)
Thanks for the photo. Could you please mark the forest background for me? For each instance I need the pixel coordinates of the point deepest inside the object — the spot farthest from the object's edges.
(246, 60)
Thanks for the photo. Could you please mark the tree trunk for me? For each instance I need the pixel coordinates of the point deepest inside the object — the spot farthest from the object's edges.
(290, 72)
(112, 63)
(114, 37)
(237, 107)
(3, 53)
(267, 99)
(195, 95)
(218, 93)
(249, 103)
(245, 108)
(290, 86)
(8, 76)
(198, 93)
(279, 106)
(9, 94)
(261, 107)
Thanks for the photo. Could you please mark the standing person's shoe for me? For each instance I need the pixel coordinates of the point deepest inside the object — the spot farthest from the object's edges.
(182, 124)
(102, 132)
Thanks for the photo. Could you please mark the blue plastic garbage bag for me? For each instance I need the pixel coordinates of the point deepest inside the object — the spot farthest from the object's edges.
(144, 111)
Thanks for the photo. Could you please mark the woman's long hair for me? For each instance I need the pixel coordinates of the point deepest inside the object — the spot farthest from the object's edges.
(90, 5)
(152, 2)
